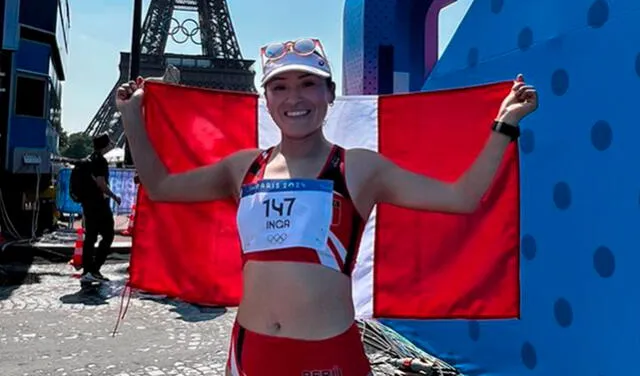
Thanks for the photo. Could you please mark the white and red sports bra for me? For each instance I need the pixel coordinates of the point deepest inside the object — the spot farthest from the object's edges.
(300, 220)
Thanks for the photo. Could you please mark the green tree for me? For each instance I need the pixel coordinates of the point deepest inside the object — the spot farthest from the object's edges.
(78, 145)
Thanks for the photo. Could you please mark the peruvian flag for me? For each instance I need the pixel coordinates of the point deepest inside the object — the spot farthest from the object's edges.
(411, 264)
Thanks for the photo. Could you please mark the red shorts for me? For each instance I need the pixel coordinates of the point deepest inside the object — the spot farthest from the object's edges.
(254, 354)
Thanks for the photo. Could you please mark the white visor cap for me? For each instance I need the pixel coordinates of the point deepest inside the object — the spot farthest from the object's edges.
(312, 63)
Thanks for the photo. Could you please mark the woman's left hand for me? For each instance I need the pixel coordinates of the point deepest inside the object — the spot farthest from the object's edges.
(520, 102)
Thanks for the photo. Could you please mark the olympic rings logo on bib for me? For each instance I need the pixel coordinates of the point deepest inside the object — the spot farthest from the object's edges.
(276, 238)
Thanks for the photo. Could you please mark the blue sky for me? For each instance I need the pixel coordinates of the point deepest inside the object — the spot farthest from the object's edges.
(101, 29)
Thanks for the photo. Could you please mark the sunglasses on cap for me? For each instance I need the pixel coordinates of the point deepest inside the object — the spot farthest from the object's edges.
(301, 47)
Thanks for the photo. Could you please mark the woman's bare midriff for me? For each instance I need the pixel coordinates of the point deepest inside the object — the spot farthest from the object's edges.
(295, 300)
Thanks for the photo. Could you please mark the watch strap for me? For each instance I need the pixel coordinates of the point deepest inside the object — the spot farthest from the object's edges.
(506, 129)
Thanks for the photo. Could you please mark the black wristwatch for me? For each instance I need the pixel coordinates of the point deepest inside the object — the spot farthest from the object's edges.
(506, 129)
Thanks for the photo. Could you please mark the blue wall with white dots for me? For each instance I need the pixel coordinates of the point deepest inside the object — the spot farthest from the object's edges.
(580, 188)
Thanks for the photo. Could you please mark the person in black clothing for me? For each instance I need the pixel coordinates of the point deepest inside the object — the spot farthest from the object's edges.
(97, 213)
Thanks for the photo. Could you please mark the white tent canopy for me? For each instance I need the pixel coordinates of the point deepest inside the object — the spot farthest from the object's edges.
(115, 155)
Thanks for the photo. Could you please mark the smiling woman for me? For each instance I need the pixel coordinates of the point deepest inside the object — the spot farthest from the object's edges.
(302, 208)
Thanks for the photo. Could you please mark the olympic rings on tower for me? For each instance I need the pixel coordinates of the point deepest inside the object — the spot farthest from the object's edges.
(183, 31)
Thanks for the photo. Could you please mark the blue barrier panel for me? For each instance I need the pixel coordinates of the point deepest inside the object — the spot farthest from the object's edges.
(64, 203)
(120, 181)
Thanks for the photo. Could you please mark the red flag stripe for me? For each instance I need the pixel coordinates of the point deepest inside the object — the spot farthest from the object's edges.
(434, 265)
(191, 251)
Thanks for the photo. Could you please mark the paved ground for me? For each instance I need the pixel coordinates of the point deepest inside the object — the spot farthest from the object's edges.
(49, 327)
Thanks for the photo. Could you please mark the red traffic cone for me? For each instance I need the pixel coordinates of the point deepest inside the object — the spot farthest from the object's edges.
(76, 260)
(132, 216)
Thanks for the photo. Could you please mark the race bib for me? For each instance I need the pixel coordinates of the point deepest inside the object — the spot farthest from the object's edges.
(277, 214)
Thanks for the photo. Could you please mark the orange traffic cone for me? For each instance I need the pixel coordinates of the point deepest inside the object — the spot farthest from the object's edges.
(132, 216)
(76, 260)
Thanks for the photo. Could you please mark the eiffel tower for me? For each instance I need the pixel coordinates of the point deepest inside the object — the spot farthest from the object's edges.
(220, 66)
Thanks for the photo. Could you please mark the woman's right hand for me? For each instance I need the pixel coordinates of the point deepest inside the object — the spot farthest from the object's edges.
(129, 95)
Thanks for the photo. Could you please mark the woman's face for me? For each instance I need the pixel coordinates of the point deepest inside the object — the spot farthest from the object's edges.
(298, 102)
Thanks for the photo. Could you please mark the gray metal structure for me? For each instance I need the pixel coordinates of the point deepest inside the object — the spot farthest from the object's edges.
(220, 66)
